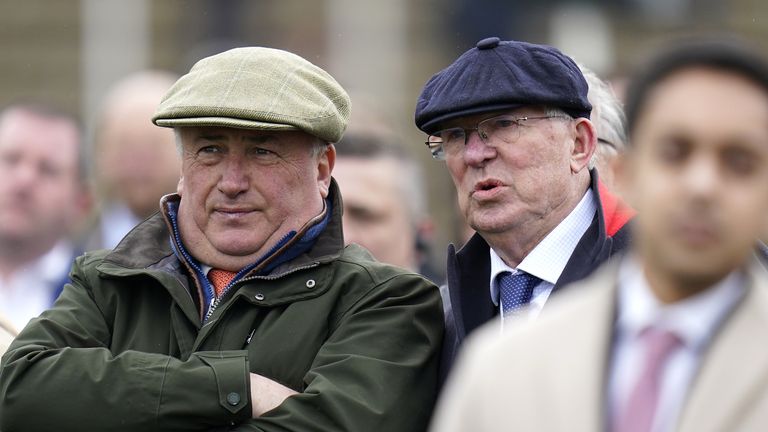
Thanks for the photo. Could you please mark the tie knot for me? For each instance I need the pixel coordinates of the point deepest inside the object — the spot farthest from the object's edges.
(220, 279)
(515, 290)
(659, 344)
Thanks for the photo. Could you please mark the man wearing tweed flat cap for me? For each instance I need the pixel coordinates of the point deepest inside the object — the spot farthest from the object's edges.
(511, 121)
(237, 306)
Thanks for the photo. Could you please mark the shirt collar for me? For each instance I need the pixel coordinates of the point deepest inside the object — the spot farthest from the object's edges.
(694, 319)
(55, 263)
(116, 221)
(548, 259)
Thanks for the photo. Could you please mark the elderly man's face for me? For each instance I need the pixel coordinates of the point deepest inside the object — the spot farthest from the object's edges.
(41, 198)
(697, 173)
(376, 213)
(527, 183)
(242, 190)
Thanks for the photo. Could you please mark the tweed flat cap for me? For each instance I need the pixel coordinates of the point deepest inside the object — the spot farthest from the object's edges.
(257, 88)
(497, 75)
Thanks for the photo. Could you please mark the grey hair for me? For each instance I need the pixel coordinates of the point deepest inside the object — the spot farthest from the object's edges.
(319, 147)
(558, 112)
(179, 144)
(607, 114)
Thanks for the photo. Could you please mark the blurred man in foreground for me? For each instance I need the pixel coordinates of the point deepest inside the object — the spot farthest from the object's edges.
(44, 198)
(668, 337)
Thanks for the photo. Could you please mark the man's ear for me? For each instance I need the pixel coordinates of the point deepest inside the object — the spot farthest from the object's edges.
(584, 144)
(325, 163)
(180, 186)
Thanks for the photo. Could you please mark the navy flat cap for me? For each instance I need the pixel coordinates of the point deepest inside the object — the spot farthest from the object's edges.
(497, 75)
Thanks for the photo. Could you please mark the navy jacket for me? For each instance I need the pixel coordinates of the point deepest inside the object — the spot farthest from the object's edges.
(466, 298)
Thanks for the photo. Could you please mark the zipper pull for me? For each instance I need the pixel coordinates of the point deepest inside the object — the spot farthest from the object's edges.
(248, 339)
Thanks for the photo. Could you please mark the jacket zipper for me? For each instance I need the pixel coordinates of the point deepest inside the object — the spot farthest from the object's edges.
(215, 303)
(190, 262)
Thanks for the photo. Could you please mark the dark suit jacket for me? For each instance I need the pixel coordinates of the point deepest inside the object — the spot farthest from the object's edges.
(466, 301)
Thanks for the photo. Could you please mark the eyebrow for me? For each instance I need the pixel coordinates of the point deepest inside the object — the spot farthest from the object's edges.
(260, 138)
(211, 137)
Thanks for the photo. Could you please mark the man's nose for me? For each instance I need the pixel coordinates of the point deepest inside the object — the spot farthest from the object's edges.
(234, 178)
(22, 175)
(702, 177)
(476, 150)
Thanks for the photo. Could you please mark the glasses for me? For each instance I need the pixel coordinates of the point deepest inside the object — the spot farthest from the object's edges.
(504, 128)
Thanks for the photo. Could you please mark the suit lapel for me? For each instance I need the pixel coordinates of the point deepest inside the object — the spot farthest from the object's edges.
(584, 356)
(470, 293)
(735, 366)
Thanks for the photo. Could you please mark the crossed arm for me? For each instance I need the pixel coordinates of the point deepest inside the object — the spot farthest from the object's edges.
(60, 374)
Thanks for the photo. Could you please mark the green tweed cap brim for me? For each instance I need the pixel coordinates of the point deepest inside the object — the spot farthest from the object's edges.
(257, 88)
(224, 122)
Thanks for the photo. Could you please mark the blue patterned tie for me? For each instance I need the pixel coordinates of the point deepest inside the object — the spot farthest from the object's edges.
(515, 290)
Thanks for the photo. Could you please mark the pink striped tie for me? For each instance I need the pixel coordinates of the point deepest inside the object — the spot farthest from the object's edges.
(638, 414)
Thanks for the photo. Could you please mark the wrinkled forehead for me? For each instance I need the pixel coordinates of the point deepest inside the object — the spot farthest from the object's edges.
(716, 104)
(194, 132)
(51, 138)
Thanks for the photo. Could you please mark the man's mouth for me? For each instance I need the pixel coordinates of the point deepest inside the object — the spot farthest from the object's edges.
(232, 212)
(486, 189)
(487, 185)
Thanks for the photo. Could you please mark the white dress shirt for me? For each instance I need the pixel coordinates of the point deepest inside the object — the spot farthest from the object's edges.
(29, 291)
(694, 320)
(548, 259)
(116, 221)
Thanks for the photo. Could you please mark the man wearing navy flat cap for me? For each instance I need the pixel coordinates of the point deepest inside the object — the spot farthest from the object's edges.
(511, 121)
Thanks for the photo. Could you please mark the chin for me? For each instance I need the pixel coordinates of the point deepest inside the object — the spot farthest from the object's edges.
(234, 247)
(698, 270)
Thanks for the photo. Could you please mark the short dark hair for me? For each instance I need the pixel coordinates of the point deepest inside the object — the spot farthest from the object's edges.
(727, 54)
(409, 178)
(370, 145)
(50, 110)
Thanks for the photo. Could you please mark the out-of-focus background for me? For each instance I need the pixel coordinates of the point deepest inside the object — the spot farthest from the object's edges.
(71, 51)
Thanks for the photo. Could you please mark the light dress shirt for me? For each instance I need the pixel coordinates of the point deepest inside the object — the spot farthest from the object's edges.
(694, 320)
(29, 290)
(116, 221)
(548, 259)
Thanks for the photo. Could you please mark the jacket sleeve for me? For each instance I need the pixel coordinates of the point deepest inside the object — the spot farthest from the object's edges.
(378, 369)
(59, 374)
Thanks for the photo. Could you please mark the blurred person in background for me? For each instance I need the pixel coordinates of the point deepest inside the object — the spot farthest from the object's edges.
(238, 306)
(384, 199)
(608, 118)
(669, 336)
(511, 121)
(7, 333)
(44, 199)
(135, 162)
